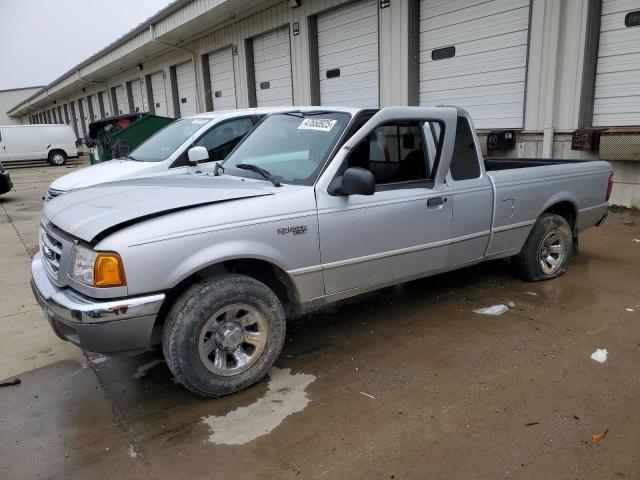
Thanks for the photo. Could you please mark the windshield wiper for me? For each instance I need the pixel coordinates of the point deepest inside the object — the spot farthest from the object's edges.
(261, 171)
(132, 158)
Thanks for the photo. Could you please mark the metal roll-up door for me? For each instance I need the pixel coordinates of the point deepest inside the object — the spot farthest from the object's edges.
(78, 119)
(223, 79)
(617, 89)
(137, 96)
(122, 106)
(95, 107)
(186, 82)
(159, 93)
(348, 55)
(474, 54)
(272, 68)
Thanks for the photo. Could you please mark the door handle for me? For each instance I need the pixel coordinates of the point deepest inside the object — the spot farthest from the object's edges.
(435, 201)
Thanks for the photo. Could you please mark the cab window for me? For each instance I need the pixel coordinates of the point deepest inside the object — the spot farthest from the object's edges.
(395, 154)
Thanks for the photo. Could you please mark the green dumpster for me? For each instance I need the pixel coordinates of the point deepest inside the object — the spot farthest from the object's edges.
(115, 137)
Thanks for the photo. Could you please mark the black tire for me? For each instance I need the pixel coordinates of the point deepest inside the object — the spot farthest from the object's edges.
(533, 262)
(187, 319)
(57, 158)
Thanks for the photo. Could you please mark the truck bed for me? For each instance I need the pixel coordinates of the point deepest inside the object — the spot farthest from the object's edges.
(493, 164)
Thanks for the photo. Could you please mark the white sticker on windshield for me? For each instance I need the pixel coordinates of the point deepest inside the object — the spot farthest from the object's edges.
(322, 124)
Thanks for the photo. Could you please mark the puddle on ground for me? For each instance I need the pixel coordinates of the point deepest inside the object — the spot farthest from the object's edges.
(285, 396)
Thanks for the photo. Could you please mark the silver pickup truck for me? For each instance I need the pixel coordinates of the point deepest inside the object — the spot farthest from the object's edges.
(312, 207)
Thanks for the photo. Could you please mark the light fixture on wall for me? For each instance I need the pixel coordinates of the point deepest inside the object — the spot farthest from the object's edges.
(234, 49)
(139, 66)
(294, 3)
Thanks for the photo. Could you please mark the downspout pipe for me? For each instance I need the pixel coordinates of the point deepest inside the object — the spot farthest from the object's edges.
(194, 61)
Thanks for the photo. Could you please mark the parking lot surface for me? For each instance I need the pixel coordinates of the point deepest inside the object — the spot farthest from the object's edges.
(408, 382)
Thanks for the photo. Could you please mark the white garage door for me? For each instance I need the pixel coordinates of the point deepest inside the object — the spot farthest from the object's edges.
(272, 67)
(95, 106)
(186, 81)
(121, 101)
(617, 93)
(159, 94)
(137, 96)
(85, 113)
(348, 55)
(76, 109)
(223, 80)
(473, 53)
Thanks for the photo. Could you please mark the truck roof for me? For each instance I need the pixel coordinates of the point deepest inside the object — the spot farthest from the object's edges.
(270, 110)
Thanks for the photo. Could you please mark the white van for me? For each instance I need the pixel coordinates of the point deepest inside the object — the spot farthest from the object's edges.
(165, 153)
(54, 143)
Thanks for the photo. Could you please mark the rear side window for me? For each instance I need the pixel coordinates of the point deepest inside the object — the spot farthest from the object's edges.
(465, 164)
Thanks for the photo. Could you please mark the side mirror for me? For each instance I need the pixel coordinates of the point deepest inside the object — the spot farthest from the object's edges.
(354, 181)
(197, 155)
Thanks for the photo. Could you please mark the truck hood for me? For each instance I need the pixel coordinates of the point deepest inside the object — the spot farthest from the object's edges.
(100, 173)
(88, 212)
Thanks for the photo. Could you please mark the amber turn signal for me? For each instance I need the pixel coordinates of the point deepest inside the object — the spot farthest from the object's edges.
(108, 270)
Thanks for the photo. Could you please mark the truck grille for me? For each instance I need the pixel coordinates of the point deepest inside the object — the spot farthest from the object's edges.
(52, 250)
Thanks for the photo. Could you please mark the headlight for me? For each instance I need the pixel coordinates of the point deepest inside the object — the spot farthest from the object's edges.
(96, 269)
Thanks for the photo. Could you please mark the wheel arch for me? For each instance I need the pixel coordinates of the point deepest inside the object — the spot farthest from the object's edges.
(566, 208)
(263, 270)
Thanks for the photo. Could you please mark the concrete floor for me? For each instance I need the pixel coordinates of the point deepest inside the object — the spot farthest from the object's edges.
(405, 383)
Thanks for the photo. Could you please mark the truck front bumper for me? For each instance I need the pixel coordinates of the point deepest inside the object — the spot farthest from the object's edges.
(121, 325)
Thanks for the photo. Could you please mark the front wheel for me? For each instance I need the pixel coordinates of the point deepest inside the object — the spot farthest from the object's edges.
(57, 158)
(546, 253)
(224, 334)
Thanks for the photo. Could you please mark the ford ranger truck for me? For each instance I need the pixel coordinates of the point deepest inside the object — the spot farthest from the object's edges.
(312, 207)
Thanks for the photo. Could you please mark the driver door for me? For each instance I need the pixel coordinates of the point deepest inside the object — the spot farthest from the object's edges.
(402, 230)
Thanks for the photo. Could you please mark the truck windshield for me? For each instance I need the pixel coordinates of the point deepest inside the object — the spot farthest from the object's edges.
(166, 141)
(292, 147)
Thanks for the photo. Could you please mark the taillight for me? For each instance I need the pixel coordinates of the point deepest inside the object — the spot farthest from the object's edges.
(609, 187)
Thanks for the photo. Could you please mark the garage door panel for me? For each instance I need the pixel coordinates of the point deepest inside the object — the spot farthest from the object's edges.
(345, 15)
(368, 40)
(94, 106)
(358, 71)
(616, 99)
(159, 93)
(509, 58)
(186, 83)
(619, 42)
(121, 106)
(275, 96)
(136, 95)
(472, 97)
(272, 67)
(474, 11)
(484, 31)
(336, 32)
(511, 40)
(361, 55)
(489, 65)
(614, 6)
(348, 42)
(222, 77)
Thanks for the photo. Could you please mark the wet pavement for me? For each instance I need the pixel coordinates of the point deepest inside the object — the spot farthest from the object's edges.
(404, 383)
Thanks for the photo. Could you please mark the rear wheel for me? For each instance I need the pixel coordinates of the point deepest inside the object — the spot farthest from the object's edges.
(57, 158)
(224, 334)
(546, 253)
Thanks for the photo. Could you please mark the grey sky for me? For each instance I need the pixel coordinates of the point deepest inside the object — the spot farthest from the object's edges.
(42, 39)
